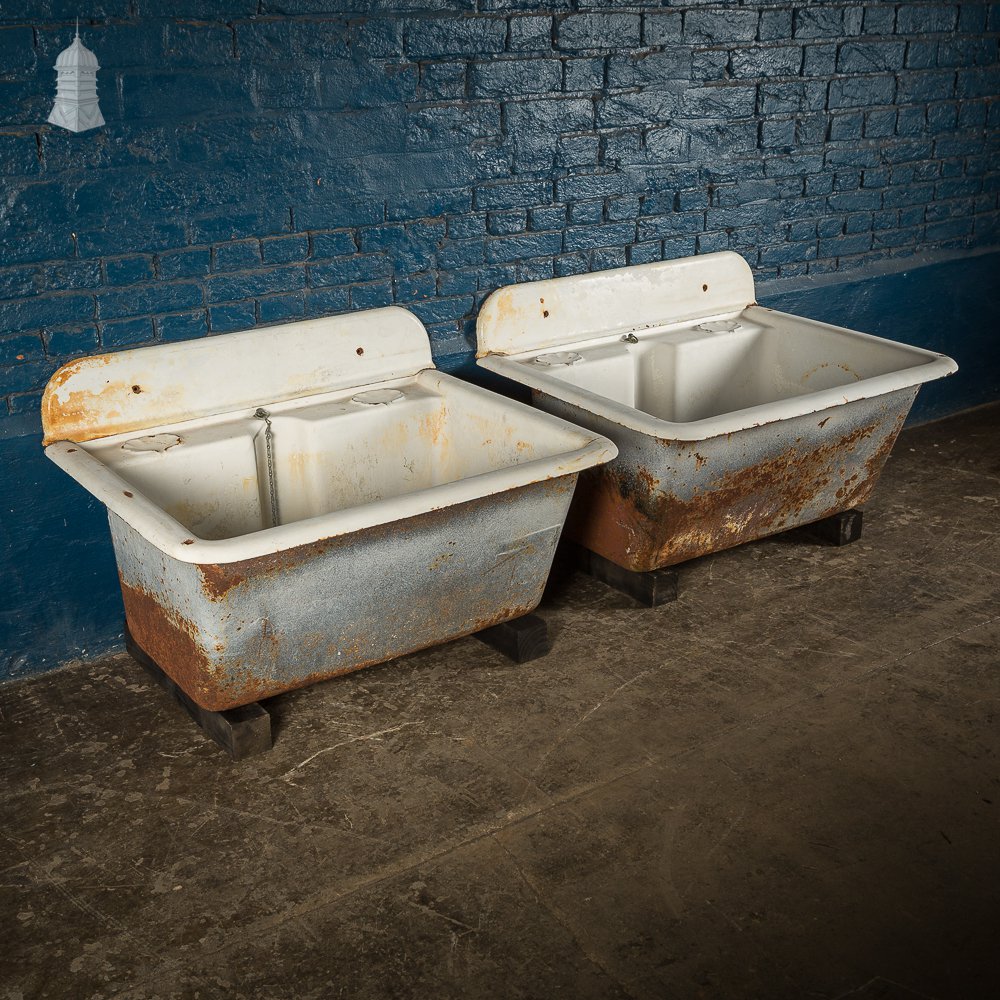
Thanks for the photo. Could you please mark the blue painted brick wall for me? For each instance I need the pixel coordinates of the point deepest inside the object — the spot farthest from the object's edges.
(265, 161)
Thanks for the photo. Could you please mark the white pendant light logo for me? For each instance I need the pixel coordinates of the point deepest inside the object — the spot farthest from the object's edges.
(76, 106)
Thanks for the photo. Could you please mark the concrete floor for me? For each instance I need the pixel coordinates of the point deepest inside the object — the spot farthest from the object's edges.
(784, 785)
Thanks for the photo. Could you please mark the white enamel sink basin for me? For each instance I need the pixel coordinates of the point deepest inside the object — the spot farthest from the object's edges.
(732, 421)
(295, 502)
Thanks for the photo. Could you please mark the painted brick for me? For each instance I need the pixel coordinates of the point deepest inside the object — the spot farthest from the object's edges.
(233, 287)
(820, 21)
(598, 31)
(461, 253)
(601, 260)
(184, 263)
(879, 19)
(588, 186)
(662, 28)
(848, 126)
(17, 49)
(374, 36)
(147, 299)
(182, 326)
(918, 19)
(334, 244)
(76, 274)
(679, 247)
(457, 282)
(439, 310)
(128, 270)
(870, 57)
(125, 332)
(550, 217)
(645, 253)
(327, 301)
(45, 311)
(861, 92)
(232, 318)
(505, 77)
(71, 341)
(442, 81)
(788, 253)
(819, 60)
(975, 82)
(512, 248)
(346, 270)
(717, 102)
(517, 194)
(350, 83)
(709, 65)
(921, 55)
(25, 377)
(651, 227)
(507, 223)
(620, 209)
(417, 286)
(281, 308)
(25, 347)
(784, 98)
(770, 61)
(585, 74)
(591, 237)
(930, 86)
(644, 69)
(331, 171)
(21, 281)
(720, 27)
(18, 154)
(284, 249)
(530, 34)
(455, 36)
(576, 263)
(586, 212)
(775, 24)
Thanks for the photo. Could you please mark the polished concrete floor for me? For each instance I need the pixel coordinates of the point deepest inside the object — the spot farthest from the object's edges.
(786, 784)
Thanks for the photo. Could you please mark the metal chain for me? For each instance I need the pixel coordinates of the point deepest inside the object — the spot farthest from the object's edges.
(262, 414)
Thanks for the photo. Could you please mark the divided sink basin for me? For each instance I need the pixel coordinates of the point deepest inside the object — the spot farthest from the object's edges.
(292, 503)
(732, 421)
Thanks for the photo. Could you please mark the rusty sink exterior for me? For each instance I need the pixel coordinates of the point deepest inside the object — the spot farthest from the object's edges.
(233, 633)
(663, 501)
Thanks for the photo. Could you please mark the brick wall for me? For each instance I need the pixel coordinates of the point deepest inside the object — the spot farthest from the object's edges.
(268, 161)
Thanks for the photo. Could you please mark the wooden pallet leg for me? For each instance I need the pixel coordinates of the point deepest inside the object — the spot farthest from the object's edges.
(521, 639)
(656, 587)
(242, 732)
(838, 529)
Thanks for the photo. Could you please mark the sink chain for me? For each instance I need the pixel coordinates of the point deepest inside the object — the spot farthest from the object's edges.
(262, 414)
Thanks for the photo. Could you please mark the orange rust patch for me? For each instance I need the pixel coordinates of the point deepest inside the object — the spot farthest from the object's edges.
(636, 525)
(169, 641)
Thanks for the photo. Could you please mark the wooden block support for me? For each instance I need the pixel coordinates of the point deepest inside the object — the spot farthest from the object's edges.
(521, 639)
(658, 586)
(838, 529)
(242, 732)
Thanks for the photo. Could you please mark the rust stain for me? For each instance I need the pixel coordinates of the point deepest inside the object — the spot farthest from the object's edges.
(170, 642)
(243, 659)
(626, 518)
